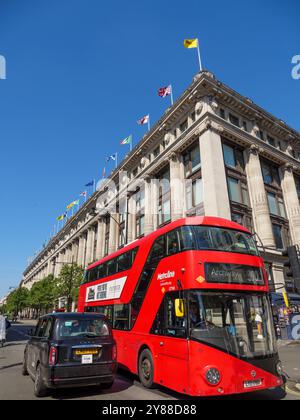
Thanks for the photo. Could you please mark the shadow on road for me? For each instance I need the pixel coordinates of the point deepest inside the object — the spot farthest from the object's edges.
(89, 391)
(10, 366)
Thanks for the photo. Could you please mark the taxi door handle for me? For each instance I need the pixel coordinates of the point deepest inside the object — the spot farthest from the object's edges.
(161, 344)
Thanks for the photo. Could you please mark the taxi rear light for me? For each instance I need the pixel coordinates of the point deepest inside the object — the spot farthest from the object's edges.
(114, 352)
(52, 356)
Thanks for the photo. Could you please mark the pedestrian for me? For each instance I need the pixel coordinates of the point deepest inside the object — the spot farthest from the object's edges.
(2, 330)
(259, 321)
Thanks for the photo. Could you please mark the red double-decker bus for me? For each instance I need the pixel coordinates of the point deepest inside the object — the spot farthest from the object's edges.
(190, 308)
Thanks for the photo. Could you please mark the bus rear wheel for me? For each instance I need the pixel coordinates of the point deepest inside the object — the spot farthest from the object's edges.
(146, 369)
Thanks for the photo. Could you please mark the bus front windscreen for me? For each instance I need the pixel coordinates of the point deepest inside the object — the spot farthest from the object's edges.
(227, 240)
(238, 323)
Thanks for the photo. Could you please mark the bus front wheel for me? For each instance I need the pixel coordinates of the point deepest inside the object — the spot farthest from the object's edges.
(146, 368)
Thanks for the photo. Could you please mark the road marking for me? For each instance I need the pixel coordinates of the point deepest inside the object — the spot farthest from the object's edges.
(291, 392)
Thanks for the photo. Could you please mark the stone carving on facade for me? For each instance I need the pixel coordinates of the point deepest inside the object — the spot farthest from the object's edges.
(254, 149)
(143, 162)
(167, 139)
(287, 167)
(199, 107)
(173, 157)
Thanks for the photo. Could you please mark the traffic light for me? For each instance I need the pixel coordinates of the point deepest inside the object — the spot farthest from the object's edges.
(293, 265)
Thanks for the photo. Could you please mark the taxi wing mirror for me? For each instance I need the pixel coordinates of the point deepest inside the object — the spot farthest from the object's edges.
(179, 308)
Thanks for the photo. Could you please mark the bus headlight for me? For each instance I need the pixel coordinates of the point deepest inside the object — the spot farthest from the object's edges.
(279, 368)
(213, 376)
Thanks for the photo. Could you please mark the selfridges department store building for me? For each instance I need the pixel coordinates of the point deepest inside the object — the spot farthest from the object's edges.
(215, 153)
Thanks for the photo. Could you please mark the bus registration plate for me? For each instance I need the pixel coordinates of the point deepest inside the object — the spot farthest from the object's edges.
(252, 384)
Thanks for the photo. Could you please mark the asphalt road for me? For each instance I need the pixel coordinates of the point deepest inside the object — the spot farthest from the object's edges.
(126, 387)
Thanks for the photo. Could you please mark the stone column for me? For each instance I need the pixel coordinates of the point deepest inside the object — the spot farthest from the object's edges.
(113, 233)
(291, 201)
(90, 246)
(79, 254)
(177, 187)
(100, 239)
(81, 251)
(131, 225)
(215, 191)
(258, 197)
(149, 206)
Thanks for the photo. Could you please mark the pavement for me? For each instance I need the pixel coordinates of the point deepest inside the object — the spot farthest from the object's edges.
(126, 387)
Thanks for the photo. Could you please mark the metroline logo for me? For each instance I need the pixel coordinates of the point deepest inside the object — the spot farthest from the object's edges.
(167, 275)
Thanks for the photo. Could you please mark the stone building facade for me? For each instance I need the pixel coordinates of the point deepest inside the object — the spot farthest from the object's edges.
(214, 152)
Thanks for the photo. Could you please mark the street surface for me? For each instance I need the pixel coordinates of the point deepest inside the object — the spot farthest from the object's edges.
(126, 387)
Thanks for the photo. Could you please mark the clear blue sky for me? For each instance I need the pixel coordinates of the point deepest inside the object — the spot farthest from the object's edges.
(80, 73)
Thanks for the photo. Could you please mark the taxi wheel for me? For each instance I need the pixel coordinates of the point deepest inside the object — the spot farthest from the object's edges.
(146, 369)
(24, 365)
(40, 390)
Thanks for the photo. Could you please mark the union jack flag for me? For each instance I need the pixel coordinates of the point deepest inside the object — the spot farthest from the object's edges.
(165, 91)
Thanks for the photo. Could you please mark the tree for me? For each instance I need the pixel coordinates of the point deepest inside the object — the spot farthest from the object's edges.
(42, 294)
(17, 300)
(68, 283)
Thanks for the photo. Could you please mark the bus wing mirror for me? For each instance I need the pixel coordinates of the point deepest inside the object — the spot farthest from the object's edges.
(179, 308)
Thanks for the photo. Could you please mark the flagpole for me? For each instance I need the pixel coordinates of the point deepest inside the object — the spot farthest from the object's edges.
(172, 100)
(199, 55)
(131, 143)
(116, 160)
(94, 185)
(148, 122)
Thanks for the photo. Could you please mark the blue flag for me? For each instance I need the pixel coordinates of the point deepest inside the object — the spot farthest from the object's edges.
(90, 184)
(111, 157)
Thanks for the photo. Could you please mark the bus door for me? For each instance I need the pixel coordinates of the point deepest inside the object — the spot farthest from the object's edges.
(171, 344)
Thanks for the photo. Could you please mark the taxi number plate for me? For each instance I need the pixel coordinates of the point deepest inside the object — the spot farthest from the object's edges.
(87, 359)
(86, 352)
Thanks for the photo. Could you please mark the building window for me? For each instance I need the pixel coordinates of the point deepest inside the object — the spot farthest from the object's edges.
(237, 185)
(194, 188)
(245, 125)
(277, 231)
(238, 191)
(183, 127)
(193, 117)
(106, 237)
(222, 113)
(234, 120)
(192, 161)
(156, 152)
(164, 198)
(270, 174)
(261, 135)
(297, 182)
(194, 193)
(243, 220)
(276, 205)
(271, 141)
(140, 213)
(233, 157)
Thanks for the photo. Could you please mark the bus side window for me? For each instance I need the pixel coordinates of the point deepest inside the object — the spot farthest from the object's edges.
(121, 317)
(166, 322)
(158, 250)
(172, 242)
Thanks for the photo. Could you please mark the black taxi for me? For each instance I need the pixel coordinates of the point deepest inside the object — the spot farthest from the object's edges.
(70, 349)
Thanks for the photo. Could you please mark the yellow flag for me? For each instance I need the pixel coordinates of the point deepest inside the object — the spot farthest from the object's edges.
(70, 206)
(191, 43)
(61, 217)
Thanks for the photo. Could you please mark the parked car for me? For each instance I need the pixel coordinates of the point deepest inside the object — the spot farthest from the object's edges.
(70, 349)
